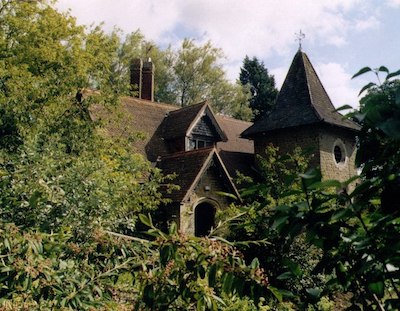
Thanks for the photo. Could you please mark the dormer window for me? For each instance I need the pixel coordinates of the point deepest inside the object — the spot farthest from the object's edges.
(203, 134)
(198, 142)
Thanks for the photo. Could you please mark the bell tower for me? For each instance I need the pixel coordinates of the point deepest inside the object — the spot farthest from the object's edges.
(304, 116)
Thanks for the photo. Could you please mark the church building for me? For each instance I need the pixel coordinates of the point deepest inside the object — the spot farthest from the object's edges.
(206, 150)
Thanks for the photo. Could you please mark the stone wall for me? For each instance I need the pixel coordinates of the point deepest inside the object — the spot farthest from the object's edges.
(288, 139)
(322, 141)
(205, 191)
(330, 169)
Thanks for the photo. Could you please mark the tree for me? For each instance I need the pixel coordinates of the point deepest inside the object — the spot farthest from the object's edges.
(195, 74)
(231, 99)
(55, 168)
(262, 86)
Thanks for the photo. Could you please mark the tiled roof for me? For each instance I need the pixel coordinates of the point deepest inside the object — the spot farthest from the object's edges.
(137, 118)
(178, 122)
(238, 162)
(189, 166)
(237, 153)
(233, 128)
(153, 123)
(302, 100)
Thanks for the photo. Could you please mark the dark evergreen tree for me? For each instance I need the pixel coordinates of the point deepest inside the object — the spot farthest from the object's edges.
(262, 86)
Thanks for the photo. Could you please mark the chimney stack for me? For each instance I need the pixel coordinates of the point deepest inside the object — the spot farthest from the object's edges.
(142, 77)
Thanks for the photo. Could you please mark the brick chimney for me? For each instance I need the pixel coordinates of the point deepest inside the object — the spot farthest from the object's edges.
(142, 78)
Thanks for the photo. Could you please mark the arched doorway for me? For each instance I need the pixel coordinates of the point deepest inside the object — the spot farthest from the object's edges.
(204, 218)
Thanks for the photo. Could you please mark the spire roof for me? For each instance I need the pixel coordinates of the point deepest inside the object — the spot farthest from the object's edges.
(302, 100)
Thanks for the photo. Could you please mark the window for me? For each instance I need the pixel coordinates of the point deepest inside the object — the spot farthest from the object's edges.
(339, 152)
(200, 142)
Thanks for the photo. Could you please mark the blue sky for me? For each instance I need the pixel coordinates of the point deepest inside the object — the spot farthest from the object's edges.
(342, 36)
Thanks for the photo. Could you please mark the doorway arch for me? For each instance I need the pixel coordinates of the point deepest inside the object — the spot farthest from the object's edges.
(204, 218)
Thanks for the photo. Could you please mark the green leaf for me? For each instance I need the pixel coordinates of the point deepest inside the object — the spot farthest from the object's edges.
(361, 188)
(228, 280)
(377, 288)
(283, 208)
(362, 71)
(311, 177)
(391, 127)
(276, 292)
(148, 294)
(342, 214)
(326, 184)
(383, 69)
(284, 276)
(344, 107)
(146, 220)
(314, 292)
(6, 269)
(212, 273)
(279, 222)
(166, 252)
(366, 87)
(293, 267)
(254, 263)
(393, 74)
(227, 194)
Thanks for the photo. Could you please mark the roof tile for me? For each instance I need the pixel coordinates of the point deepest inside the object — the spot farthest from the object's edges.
(302, 100)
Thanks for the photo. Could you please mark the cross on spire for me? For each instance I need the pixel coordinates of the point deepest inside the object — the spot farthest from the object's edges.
(300, 37)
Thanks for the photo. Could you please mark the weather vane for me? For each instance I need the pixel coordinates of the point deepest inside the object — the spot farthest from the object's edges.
(299, 37)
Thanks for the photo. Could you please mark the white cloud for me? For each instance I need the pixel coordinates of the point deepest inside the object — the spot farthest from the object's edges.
(371, 22)
(279, 75)
(253, 27)
(338, 84)
(262, 28)
(393, 3)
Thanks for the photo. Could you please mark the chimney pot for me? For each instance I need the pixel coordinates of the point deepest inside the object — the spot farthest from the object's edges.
(136, 76)
(142, 78)
(148, 81)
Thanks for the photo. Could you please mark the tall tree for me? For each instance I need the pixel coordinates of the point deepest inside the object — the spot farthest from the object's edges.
(196, 74)
(262, 86)
(55, 168)
(196, 71)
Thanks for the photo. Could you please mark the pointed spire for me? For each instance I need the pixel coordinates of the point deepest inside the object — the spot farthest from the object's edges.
(302, 100)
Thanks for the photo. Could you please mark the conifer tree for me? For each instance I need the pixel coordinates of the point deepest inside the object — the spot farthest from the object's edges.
(262, 86)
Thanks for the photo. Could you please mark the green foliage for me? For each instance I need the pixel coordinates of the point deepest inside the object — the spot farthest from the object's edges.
(185, 76)
(111, 271)
(197, 274)
(196, 69)
(289, 262)
(349, 239)
(262, 86)
(135, 45)
(195, 74)
(49, 271)
(55, 168)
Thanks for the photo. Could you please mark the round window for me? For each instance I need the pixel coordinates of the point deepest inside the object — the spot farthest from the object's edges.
(339, 153)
